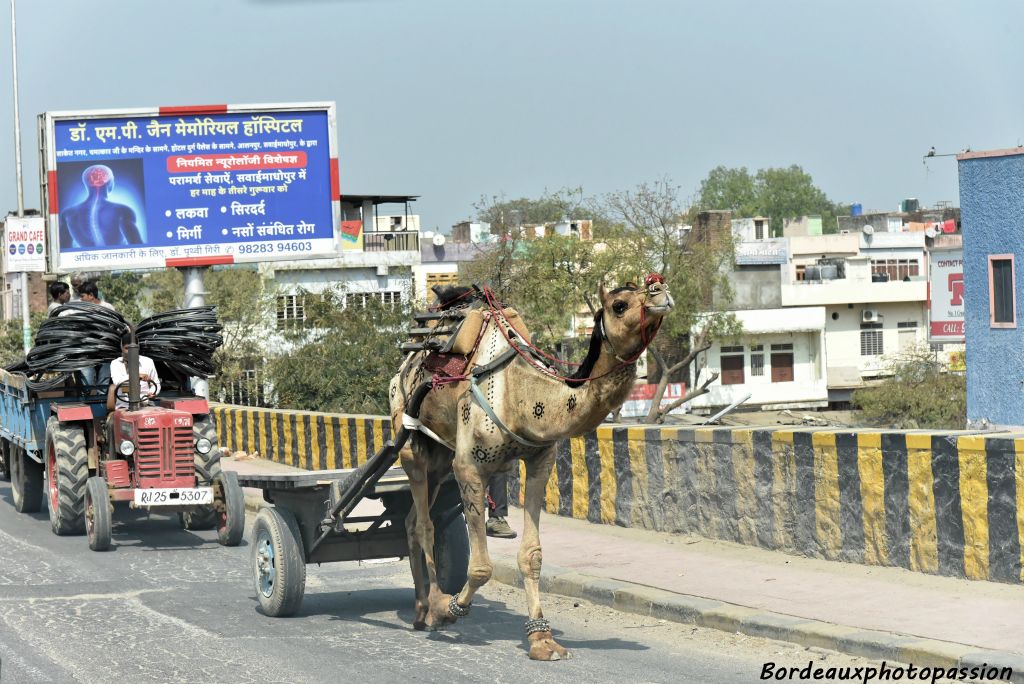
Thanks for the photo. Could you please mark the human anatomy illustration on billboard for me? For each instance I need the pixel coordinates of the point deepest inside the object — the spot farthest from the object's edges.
(150, 188)
(946, 294)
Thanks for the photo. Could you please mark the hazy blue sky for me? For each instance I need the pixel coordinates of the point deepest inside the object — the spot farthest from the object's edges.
(454, 99)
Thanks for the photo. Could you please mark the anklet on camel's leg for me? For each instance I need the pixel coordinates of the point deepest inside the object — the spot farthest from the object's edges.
(538, 625)
(456, 610)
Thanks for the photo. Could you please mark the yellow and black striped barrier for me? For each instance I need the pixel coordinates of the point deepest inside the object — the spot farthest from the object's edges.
(949, 503)
(304, 439)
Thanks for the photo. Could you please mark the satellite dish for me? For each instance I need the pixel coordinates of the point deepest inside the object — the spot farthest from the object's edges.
(930, 231)
(869, 229)
(438, 240)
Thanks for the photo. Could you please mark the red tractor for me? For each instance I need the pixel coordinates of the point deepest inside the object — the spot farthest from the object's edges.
(162, 457)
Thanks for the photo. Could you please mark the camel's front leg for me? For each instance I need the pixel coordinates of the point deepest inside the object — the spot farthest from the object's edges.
(472, 485)
(538, 631)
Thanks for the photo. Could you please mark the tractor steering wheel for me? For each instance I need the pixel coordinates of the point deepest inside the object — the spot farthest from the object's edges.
(121, 391)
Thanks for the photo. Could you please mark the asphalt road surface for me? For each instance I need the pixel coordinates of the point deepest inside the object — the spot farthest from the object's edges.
(167, 605)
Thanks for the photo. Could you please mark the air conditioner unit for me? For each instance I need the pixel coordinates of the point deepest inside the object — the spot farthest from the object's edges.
(382, 270)
(871, 316)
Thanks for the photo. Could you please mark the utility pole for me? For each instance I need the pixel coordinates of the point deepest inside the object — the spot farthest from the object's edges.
(26, 326)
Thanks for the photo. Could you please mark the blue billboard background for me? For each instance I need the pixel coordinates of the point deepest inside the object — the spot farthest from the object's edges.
(135, 191)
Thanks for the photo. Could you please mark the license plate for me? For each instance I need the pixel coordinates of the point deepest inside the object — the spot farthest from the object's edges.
(176, 496)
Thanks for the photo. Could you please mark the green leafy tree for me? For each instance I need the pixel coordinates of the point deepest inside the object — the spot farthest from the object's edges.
(548, 279)
(778, 193)
(920, 393)
(343, 357)
(124, 292)
(695, 265)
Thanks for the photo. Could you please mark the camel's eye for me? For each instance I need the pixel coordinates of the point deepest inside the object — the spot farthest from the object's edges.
(619, 307)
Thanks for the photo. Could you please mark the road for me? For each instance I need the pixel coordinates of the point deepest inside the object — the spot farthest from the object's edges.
(173, 606)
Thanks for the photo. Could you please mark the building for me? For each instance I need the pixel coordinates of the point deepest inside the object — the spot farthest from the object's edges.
(823, 315)
(992, 215)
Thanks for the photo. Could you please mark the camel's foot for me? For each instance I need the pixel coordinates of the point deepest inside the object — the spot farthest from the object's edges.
(439, 615)
(420, 621)
(542, 645)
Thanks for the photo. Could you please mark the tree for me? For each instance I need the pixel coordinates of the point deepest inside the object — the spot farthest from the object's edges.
(778, 193)
(550, 278)
(695, 265)
(124, 292)
(343, 356)
(919, 394)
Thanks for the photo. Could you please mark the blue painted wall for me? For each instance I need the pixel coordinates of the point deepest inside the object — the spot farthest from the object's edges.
(992, 214)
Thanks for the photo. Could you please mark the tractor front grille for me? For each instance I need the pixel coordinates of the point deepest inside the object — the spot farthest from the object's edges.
(165, 453)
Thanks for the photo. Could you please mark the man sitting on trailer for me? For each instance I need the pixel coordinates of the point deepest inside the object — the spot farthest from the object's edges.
(149, 380)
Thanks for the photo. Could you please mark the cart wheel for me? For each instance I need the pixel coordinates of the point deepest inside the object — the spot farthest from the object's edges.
(278, 562)
(26, 482)
(451, 556)
(230, 504)
(97, 513)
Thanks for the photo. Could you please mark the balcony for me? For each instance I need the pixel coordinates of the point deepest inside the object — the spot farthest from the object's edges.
(397, 241)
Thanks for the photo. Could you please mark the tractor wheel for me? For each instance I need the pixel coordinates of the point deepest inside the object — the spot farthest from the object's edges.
(230, 505)
(97, 514)
(207, 468)
(451, 556)
(26, 482)
(278, 562)
(67, 471)
(5, 460)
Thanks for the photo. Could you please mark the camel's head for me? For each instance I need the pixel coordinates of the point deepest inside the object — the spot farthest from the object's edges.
(631, 314)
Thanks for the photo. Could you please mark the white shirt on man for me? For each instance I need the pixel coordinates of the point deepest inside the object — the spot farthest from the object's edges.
(119, 374)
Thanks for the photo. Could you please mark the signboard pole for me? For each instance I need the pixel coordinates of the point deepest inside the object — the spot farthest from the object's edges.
(26, 326)
(195, 295)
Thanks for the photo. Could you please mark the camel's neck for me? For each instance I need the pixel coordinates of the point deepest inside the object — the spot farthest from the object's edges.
(551, 410)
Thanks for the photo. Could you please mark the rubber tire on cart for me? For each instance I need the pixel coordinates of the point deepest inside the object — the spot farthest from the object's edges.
(97, 514)
(451, 556)
(278, 562)
(207, 468)
(230, 504)
(26, 482)
(67, 470)
(5, 460)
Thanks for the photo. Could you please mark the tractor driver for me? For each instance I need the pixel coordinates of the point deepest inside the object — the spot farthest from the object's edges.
(149, 381)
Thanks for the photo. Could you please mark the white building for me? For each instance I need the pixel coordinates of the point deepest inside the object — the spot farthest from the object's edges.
(822, 315)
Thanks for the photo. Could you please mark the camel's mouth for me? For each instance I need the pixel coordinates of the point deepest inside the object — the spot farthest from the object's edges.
(659, 309)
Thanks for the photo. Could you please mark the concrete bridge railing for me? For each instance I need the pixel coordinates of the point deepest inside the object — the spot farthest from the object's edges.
(949, 503)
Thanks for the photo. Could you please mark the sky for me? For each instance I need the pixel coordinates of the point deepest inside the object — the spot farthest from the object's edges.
(453, 100)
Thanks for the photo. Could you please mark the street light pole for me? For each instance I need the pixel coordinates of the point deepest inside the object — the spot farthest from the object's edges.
(26, 326)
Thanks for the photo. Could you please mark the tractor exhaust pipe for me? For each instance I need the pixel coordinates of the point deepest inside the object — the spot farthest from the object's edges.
(134, 393)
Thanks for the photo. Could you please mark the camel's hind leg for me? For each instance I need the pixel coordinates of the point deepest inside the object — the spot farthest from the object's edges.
(417, 563)
(542, 645)
(430, 602)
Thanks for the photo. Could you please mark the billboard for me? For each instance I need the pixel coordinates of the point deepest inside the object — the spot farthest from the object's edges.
(638, 404)
(946, 296)
(23, 244)
(190, 186)
(772, 251)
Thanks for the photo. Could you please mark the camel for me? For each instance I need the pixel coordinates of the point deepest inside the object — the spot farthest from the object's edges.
(535, 408)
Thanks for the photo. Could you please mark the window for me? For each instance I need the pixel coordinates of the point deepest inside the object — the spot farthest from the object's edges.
(732, 365)
(441, 279)
(896, 269)
(757, 360)
(871, 339)
(759, 230)
(1001, 284)
(386, 297)
(291, 310)
(907, 334)
(937, 347)
(800, 272)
